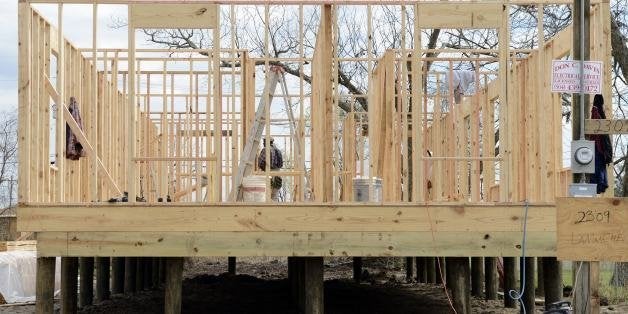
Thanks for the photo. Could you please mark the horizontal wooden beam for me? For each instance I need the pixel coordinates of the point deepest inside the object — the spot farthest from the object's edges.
(606, 126)
(24, 245)
(124, 217)
(460, 15)
(179, 15)
(294, 243)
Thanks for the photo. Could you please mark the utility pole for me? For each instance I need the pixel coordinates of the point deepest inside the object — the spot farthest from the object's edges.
(586, 276)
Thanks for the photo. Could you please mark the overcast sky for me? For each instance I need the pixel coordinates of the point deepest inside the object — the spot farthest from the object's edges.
(8, 55)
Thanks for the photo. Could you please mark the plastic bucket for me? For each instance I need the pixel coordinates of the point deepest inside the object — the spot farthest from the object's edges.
(367, 189)
(254, 189)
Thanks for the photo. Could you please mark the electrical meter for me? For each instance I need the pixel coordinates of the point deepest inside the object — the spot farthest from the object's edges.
(582, 156)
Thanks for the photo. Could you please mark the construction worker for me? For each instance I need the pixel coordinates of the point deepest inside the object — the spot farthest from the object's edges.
(276, 162)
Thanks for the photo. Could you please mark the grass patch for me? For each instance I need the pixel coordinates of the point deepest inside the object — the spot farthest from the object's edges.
(614, 295)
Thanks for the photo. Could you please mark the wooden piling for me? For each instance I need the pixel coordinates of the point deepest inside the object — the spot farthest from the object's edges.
(103, 266)
(139, 274)
(552, 280)
(441, 270)
(410, 268)
(477, 276)
(528, 294)
(421, 269)
(313, 281)
(45, 285)
(69, 284)
(130, 265)
(148, 273)
(117, 275)
(510, 281)
(431, 270)
(231, 265)
(357, 269)
(458, 283)
(155, 272)
(490, 278)
(174, 283)
(86, 294)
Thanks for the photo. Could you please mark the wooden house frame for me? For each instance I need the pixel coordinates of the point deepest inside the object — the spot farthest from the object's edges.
(155, 151)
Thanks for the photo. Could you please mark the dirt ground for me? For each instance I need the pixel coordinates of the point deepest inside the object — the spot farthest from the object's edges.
(261, 287)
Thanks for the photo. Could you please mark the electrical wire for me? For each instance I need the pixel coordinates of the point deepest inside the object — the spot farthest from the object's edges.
(518, 295)
(440, 270)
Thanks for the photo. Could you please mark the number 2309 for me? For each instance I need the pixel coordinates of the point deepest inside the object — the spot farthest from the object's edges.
(585, 216)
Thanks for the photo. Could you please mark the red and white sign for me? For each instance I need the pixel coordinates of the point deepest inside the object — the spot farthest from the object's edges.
(566, 76)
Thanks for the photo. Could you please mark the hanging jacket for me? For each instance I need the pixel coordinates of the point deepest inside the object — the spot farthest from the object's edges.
(73, 149)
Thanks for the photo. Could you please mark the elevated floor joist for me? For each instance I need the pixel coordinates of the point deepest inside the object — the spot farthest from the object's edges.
(173, 244)
(297, 230)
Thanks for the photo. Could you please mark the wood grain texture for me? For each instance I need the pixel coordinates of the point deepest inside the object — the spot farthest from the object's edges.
(276, 217)
(174, 15)
(592, 229)
(460, 15)
(476, 243)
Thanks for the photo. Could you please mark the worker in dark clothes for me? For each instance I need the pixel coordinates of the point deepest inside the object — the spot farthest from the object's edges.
(276, 162)
(603, 147)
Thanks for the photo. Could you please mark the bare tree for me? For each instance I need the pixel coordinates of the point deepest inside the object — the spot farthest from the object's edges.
(8, 158)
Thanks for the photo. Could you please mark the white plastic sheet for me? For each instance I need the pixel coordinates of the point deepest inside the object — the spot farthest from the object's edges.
(18, 276)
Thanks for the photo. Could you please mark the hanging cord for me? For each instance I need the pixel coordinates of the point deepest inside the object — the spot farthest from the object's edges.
(513, 293)
(440, 270)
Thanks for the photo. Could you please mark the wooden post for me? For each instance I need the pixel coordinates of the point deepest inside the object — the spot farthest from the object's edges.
(431, 270)
(117, 277)
(410, 268)
(458, 283)
(69, 284)
(103, 265)
(528, 294)
(45, 285)
(155, 274)
(441, 270)
(86, 295)
(357, 269)
(174, 282)
(130, 265)
(421, 270)
(552, 280)
(540, 284)
(162, 270)
(231, 267)
(477, 276)
(139, 274)
(292, 278)
(510, 281)
(490, 278)
(148, 273)
(314, 303)
(585, 291)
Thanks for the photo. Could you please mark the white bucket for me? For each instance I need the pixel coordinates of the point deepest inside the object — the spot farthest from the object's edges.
(254, 189)
(367, 189)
